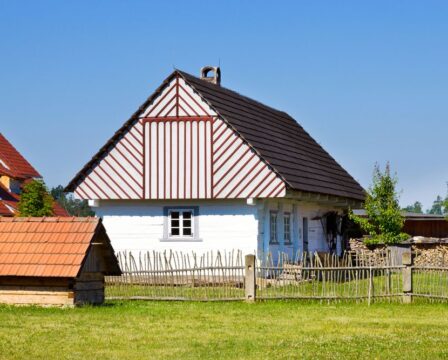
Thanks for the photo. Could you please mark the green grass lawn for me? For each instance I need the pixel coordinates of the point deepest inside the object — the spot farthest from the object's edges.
(232, 330)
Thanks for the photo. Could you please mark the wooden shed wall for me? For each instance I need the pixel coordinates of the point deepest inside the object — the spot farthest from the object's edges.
(427, 228)
(89, 285)
(38, 291)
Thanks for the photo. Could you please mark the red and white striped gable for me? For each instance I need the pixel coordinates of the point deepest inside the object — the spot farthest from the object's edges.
(179, 148)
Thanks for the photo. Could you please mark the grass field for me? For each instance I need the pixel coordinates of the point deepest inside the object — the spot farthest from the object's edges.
(232, 330)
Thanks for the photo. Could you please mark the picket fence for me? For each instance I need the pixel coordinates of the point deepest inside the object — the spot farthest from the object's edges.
(228, 275)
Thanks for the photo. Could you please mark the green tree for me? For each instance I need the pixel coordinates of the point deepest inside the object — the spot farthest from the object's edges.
(384, 221)
(416, 208)
(73, 206)
(437, 206)
(35, 200)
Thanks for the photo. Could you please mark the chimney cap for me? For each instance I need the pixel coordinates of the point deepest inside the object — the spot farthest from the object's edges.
(215, 78)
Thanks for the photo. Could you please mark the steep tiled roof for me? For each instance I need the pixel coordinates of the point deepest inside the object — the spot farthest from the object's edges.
(4, 209)
(58, 210)
(12, 163)
(276, 136)
(46, 247)
(8, 201)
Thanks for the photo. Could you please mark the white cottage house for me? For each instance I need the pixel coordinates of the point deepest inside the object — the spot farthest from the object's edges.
(200, 167)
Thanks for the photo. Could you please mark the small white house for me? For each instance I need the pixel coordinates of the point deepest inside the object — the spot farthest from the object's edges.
(199, 167)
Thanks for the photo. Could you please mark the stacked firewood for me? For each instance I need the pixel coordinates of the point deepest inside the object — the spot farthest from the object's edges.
(364, 256)
(430, 255)
(357, 245)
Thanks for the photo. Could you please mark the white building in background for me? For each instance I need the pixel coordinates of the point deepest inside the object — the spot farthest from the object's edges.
(199, 167)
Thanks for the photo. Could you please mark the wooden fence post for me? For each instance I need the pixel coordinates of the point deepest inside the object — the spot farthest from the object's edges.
(407, 277)
(250, 280)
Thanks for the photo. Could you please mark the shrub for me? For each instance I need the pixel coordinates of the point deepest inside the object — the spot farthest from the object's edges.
(35, 200)
(384, 221)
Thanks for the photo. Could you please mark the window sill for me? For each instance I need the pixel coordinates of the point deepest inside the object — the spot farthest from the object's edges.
(180, 240)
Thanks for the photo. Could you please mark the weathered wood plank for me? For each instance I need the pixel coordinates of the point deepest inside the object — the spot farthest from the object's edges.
(33, 297)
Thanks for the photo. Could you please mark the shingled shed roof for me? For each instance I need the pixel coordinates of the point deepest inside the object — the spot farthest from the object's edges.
(12, 163)
(51, 247)
(276, 136)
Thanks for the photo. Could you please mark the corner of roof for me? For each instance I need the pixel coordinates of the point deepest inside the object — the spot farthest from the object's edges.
(185, 76)
(10, 148)
(134, 117)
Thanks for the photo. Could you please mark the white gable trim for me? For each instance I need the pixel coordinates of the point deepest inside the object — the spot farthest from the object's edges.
(180, 149)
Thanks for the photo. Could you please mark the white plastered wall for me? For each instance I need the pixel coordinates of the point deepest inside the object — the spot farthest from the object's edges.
(298, 211)
(138, 225)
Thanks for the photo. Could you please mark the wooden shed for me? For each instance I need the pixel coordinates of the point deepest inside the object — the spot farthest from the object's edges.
(427, 225)
(54, 261)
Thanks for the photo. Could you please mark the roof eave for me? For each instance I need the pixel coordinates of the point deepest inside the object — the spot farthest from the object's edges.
(325, 199)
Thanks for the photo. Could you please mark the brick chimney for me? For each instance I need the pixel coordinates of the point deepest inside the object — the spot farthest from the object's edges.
(214, 78)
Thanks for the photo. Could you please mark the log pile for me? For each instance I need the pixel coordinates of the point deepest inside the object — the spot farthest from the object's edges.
(364, 256)
(426, 252)
(357, 245)
(430, 254)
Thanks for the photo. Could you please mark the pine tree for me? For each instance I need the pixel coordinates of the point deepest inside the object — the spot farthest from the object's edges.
(417, 208)
(73, 206)
(437, 206)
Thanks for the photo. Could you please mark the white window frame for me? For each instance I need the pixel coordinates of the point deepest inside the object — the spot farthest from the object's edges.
(194, 223)
(181, 223)
(287, 240)
(273, 228)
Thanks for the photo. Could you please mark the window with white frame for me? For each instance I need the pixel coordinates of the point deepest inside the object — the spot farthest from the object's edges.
(287, 228)
(180, 223)
(273, 239)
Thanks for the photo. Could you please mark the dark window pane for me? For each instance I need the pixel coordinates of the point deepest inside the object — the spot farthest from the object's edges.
(175, 215)
(187, 231)
(187, 215)
(187, 223)
(175, 223)
(175, 231)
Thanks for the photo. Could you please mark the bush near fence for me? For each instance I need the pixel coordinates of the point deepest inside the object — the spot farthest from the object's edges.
(228, 275)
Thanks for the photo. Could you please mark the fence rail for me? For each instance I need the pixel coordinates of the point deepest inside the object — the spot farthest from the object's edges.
(430, 282)
(178, 276)
(227, 275)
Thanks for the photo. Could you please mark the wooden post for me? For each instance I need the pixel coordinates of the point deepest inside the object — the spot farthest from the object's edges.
(407, 277)
(389, 281)
(250, 280)
(371, 288)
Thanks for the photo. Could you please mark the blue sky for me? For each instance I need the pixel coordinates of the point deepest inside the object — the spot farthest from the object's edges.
(367, 79)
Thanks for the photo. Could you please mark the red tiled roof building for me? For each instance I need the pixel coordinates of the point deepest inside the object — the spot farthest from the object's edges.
(15, 171)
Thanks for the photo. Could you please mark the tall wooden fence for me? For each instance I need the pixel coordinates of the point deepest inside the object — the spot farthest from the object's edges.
(229, 275)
